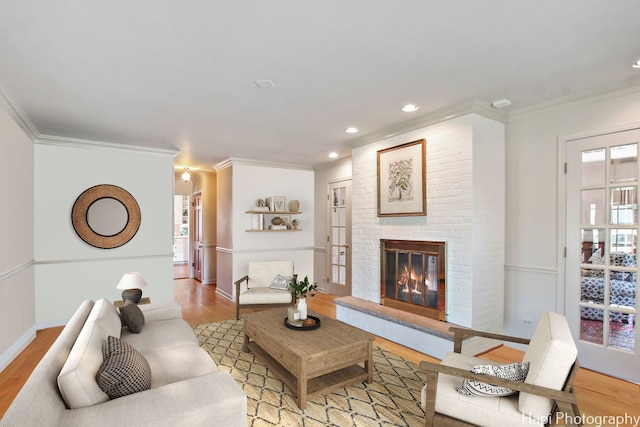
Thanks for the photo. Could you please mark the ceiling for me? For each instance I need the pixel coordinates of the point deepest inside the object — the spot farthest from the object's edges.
(182, 74)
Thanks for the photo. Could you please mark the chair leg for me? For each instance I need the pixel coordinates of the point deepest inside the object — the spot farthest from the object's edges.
(237, 311)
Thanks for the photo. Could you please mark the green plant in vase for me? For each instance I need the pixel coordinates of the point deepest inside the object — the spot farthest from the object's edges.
(300, 289)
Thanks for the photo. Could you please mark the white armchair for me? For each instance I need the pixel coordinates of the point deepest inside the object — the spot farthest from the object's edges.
(255, 289)
(546, 390)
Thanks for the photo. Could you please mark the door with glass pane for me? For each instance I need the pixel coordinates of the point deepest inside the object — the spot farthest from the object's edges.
(601, 268)
(339, 238)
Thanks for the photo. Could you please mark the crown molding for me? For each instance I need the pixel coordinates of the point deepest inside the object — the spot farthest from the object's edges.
(333, 163)
(471, 106)
(582, 97)
(16, 112)
(250, 162)
(90, 144)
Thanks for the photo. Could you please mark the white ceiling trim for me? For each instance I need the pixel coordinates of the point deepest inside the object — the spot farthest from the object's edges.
(101, 145)
(16, 112)
(472, 106)
(585, 96)
(250, 162)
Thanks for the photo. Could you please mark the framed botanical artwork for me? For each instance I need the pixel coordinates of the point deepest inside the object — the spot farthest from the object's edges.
(402, 180)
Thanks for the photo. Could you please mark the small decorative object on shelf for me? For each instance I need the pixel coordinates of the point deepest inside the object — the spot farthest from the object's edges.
(295, 223)
(294, 205)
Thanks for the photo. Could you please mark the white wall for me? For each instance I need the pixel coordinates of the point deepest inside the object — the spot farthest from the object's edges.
(533, 271)
(67, 269)
(255, 180)
(17, 304)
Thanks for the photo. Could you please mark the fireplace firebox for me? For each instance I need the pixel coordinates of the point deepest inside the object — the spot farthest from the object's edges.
(413, 276)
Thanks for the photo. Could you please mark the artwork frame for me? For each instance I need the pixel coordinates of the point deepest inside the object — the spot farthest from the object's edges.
(402, 179)
(278, 204)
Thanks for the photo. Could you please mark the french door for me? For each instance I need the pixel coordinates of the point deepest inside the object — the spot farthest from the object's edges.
(601, 247)
(339, 238)
(197, 237)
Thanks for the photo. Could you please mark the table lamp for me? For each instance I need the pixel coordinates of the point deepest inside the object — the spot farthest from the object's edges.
(131, 283)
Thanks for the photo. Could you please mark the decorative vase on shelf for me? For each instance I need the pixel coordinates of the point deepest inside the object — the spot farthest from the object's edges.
(294, 205)
(302, 308)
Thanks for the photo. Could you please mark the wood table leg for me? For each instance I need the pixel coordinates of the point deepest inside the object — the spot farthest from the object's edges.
(245, 346)
(302, 386)
(368, 364)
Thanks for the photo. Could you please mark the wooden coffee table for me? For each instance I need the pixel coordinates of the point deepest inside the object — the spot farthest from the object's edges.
(311, 362)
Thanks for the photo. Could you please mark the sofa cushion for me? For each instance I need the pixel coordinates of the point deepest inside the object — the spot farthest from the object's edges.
(177, 364)
(105, 313)
(132, 316)
(77, 379)
(551, 354)
(261, 273)
(512, 371)
(491, 411)
(161, 335)
(124, 370)
(264, 296)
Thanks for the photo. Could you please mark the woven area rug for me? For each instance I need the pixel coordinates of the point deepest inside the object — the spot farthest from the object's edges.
(392, 399)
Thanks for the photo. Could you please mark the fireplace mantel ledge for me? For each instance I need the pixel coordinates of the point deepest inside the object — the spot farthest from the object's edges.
(420, 323)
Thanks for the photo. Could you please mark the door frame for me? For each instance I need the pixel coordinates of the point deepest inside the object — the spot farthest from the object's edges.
(561, 282)
(348, 227)
(563, 140)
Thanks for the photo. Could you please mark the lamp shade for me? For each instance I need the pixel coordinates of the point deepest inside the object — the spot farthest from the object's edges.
(132, 280)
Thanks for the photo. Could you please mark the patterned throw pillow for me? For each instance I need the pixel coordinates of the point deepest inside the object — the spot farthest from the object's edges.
(132, 316)
(123, 371)
(597, 258)
(513, 371)
(281, 282)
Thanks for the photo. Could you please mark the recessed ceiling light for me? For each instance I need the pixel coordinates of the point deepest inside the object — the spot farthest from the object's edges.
(333, 154)
(351, 130)
(637, 64)
(409, 108)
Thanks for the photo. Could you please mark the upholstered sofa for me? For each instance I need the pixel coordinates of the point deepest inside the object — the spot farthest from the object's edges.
(186, 388)
(622, 286)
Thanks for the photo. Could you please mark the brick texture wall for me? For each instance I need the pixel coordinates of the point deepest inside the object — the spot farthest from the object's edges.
(465, 208)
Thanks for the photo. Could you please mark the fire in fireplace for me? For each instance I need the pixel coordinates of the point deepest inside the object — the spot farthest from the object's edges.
(413, 276)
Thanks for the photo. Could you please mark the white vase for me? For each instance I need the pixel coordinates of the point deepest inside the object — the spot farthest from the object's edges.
(302, 308)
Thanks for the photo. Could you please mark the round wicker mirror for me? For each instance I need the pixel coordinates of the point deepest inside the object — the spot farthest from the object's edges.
(106, 216)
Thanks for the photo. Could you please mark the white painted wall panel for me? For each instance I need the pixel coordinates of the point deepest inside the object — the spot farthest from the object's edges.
(17, 305)
(68, 270)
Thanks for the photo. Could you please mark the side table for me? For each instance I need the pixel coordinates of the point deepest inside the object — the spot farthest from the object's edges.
(144, 300)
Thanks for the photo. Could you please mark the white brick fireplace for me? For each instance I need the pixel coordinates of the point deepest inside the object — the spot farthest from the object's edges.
(465, 209)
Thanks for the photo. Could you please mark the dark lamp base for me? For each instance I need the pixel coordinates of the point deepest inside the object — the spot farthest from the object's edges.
(132, 295)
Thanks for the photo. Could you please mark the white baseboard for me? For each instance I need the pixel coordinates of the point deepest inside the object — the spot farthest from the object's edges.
(21, 343)
(17, 347)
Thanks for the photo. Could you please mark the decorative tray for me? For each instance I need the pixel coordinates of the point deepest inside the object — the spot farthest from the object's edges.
(299, 326)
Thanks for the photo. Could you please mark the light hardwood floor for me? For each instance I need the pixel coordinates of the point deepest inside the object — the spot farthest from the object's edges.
(598, 395)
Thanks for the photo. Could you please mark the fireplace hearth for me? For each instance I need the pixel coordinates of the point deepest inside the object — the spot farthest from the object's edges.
(413, 276)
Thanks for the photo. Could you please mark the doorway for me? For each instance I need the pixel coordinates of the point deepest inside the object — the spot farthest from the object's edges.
(339, 238)
(181, 237)
(601, 227)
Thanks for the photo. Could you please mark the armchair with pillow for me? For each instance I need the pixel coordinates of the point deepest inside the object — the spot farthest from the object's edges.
(470, 391)
(265, 286)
